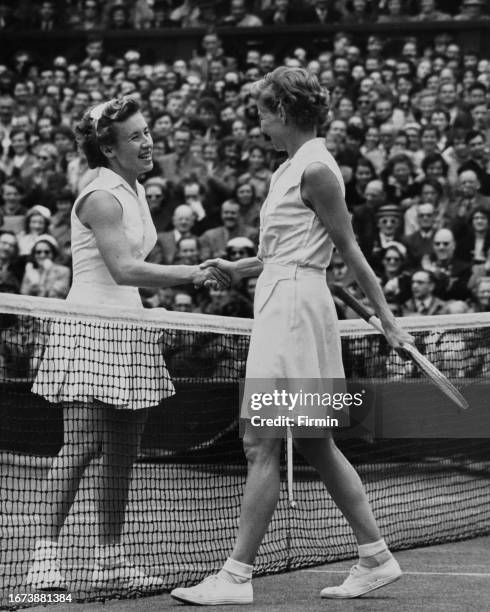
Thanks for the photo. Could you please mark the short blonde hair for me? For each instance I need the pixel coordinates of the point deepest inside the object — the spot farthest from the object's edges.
(298, 91)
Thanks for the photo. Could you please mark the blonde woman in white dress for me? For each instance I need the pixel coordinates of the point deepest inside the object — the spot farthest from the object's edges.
(296, 335)
(105, 376)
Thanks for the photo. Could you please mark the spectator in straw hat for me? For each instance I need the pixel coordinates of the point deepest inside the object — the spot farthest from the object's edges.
(472, 10)
(388, 222)
(36, 223)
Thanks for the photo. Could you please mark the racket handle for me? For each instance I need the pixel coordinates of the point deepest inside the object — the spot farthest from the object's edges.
(357, 307)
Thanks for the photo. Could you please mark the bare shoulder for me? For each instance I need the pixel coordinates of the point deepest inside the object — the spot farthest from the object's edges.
(99, 207)
(319, 180)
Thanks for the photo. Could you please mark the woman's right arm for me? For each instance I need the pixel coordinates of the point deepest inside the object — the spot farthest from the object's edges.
(102, 213)
(236, 270)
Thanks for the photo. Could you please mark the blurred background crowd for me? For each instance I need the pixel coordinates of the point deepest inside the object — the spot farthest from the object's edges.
(410, 130)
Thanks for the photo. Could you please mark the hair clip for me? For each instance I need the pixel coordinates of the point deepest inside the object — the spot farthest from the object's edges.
(97, 112)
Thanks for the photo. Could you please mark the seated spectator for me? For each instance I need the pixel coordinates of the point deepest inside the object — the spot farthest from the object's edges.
(12, 209)
(355, 190)
(227, 302)
(389, 229)
(479, 159)
(46, 178)
(279, 13)
(183, 302)
(157, 17)
(162, 298)
(452, 275)
(419, 243)
(194, 194)
(423, 300)
(224, 177)
(250, 205)
(372, 149)
(190, 14)
(214, 241)
(364, 221)
(473, 241)
(356, 12)
(181, 163)
(37, 221)
(398, 178)
(239, 248)
(20, 161)
(427, 11)
(394, 278)
(455, 154)
(472, 10)
(118, 18)
(481, 295)
(161, 210)
(11, 270)
(449, 101)
(257, 173)
(320, 11)
(456, 307)
(89, 18)
(393, 12)
(239, 16)
(43, 277)
(468, 197)
(60, 226)
(188, 251)
(183, 221)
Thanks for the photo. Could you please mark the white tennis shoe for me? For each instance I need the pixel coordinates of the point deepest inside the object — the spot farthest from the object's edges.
(214, 591)
(362, 580)
(124, 575)
(44, 574)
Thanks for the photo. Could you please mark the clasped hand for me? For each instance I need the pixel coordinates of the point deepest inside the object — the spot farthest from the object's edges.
(215, 273)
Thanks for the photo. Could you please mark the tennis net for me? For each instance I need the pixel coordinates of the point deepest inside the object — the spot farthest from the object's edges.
(183, 505)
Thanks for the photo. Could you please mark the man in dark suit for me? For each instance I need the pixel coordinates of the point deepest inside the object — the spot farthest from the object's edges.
(420, 242)
(452, 275)
(183, 221)
(213, 242)
(322, 11)
(47, 18)
(423, 300)
(280, 13)
(479, 160)
(182, 162)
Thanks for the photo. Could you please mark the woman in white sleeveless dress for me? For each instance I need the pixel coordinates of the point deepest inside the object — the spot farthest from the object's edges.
(295, 333)
(106, 376)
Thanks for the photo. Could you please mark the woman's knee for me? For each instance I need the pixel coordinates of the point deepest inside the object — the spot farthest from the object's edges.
(261, 450)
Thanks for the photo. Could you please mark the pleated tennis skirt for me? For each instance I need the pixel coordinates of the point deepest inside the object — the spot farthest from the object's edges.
(295, 333)
(118, 364)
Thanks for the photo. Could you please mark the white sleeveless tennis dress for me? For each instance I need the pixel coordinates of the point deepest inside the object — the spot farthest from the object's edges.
(117, 364)
(295, 332)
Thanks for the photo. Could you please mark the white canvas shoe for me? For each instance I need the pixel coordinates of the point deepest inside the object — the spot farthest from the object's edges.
(214, 591)
(362, 580)
(124, 575)
(45, 575)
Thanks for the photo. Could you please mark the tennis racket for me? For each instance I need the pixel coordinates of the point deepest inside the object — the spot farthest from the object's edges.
(427, 368)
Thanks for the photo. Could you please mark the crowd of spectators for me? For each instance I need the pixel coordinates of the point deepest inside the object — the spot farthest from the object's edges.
(410, 132)
(49, 15)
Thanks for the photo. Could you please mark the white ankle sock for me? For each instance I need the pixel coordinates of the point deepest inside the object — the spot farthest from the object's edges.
(236, 571)
(374, 553)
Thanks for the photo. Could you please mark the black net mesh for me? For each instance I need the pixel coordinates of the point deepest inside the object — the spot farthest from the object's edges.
(182, 507)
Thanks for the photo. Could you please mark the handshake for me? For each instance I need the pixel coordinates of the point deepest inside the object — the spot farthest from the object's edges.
(216, 273)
